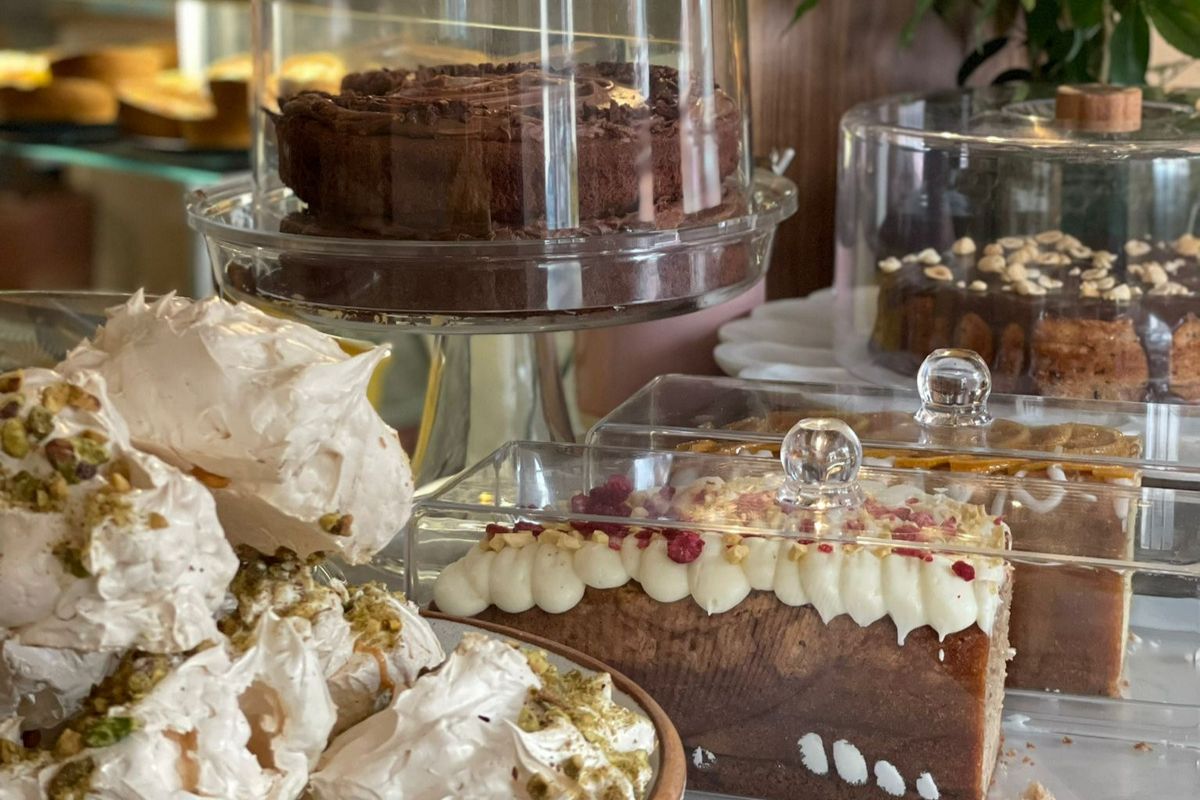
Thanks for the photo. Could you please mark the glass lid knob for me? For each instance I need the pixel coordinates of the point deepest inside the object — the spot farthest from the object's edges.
(954, 384)
(821, 459)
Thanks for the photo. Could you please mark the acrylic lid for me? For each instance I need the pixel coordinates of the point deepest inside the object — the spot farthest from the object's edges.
(952, 412)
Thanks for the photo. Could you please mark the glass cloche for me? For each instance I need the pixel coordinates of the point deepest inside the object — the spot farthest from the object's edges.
(1052, 231)
(524, 162)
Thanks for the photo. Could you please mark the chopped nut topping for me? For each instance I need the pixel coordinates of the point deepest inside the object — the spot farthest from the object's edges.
(157, 521)
(992, 263)
(54, 397)
(1094, 274)
(796, 551)
(1048, 237)
(519, 539)
(963, 247)
(1170, 288)
(14, 439)
(1088, 289)
(1079, 252)
(929, 256)
(1027, 289)
(736, 554)
(939, 273)
(1075, 271)
(1119, 294)
(40, 422)
(731, 539)
(1187, 245)
(1136, 247)
(1156, 275)
(890, 265)
(1106, 283)
(336, 524)
(977, 286)
(1015, 272)
(1053, 260)
(83, 400)
(600, 537)
(570, 541)
(1011, 242)
(119, 482)
(993, 250)
(1048, 282)
(11, 382)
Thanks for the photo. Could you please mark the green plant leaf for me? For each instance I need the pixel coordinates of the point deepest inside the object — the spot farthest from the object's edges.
(803, 8)
(1179, 23)
(1086, 13)
(910, 27)
(1130, 48)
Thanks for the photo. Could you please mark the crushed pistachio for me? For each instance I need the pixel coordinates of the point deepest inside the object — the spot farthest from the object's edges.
(284, 583)
(13, 753)
(71, 558)
(14, 439)
(106, 504)
(538, 787)
(73, 781)
(374, 617)
(582, 701)
(336, 524)
(157, 521)
(27, 491)
(108, 731)
(39, 422)
(54, 397)
(82, 399)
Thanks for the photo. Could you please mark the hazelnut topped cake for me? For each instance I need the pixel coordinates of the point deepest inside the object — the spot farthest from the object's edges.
(796, 641)
(1050, 315)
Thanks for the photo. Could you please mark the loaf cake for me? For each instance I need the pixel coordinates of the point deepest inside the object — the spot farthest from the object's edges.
(1069, 623)
(455, 152)
(1050, 315)
(791, 667)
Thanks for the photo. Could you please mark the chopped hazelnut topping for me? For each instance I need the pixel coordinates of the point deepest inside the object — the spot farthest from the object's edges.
(1049, 283)
(1011, 242)
(54, 397)
(731, 539)
(1088, 289)
(963, 247)
(570, 541)
(1074, 271)
(993, 250)
(1156, 275)
(1106, 283)
(796, 551)
(1079, 252)
(977, 286)
(1094, 274)
(1136, 247)
(890, 265)
(1187, 245)
(939, 273)
(992, 263)
(1119, 294)
(518, 540)
(1028, 289)
(929, 256)
(1015, 272)
(1048, 237)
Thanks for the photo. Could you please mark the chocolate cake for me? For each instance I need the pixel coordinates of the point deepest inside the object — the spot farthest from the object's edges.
(1069, 623)
(457, 152)
(1050, 315)
(791, 667)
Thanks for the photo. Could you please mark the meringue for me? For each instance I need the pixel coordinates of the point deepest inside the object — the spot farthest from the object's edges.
(492, 723)
(102, 547)
(368, 641)
(167, 726)
(273, 415)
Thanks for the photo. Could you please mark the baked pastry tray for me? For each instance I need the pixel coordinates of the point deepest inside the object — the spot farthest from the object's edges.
(1097, 721)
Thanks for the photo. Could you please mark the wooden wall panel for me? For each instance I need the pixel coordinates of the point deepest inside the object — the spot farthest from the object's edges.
(804, 78)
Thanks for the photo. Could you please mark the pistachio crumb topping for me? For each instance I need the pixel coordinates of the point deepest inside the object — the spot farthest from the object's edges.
(335, 523)
(282, 583)
(73, 781)
(12, 381)
(374, 616)
(107, 504)
(583, 702)
(71, 558)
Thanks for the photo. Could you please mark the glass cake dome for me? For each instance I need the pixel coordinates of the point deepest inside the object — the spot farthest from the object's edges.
(525, 164)
(1054, 232)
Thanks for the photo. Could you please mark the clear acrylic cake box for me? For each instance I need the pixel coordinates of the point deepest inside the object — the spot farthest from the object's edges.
(767, 612)
(1052, 229)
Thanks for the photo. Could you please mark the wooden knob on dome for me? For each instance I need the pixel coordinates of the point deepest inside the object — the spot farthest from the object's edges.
(1099, 108)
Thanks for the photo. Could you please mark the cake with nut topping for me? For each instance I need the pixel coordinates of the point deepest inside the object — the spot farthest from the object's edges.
(1070, 623)
(776, 655)
(1050, 315)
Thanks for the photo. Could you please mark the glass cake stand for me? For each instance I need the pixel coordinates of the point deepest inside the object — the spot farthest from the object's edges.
(370, 289)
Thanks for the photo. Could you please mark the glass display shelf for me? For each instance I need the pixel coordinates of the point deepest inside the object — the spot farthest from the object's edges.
(187, 168)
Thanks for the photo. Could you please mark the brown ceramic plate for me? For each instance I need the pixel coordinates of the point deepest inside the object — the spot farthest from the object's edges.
(668, 764)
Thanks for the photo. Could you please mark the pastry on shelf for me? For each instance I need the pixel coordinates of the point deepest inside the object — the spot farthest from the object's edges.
(112, 65)
(78, 101)
(271, 415)
(310, 72)
(159, 105)
(1070, 624)
(369, 642)
(24, 70)
(493, 722)
(791, 666)
(463, 134)
(229, 128)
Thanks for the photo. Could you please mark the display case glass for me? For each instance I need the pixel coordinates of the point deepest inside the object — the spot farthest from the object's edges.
(818, 630)
(1054, 235)
(524, 164)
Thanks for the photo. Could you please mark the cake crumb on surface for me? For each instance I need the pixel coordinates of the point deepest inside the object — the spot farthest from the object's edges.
(1068, 740)
(1030, 746)
(1142, 747)
(1035, 791)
